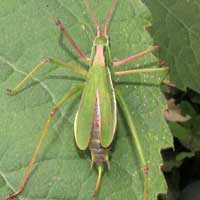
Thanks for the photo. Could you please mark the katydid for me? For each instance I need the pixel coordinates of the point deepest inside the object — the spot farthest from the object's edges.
(96, 118)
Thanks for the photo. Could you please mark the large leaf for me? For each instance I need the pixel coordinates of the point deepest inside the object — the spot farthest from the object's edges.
(176, 29)
(27, 35)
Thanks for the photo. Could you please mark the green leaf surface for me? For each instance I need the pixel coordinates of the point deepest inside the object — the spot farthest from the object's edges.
(28, 34)
(176, 28)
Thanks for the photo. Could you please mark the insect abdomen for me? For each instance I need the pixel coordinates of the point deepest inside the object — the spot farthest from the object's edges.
(98, 153)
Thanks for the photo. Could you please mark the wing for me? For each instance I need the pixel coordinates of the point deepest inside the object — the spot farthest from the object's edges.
(108, 108)
(98, 81)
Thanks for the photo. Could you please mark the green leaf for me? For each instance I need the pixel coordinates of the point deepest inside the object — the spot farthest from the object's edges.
(28, 34)
(176, 30)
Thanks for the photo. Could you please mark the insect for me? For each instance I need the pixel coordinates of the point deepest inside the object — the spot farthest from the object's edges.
(96, 118)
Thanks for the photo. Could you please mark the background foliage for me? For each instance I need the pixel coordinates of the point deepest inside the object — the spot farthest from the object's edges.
(176, 29)
(28, 34)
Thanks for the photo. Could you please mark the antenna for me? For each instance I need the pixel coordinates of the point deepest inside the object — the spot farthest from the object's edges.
(94, 19)
(109, 17)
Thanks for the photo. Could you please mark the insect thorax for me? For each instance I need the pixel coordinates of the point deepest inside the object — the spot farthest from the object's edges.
(101, 52)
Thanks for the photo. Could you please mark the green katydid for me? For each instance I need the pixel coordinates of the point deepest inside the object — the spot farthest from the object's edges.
(96, 118)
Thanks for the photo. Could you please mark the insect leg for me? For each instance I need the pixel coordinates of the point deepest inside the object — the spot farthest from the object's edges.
(70, 40)
(136, 140)
(138, 71)
(135, 56)
(41, 64)
(42, 137)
